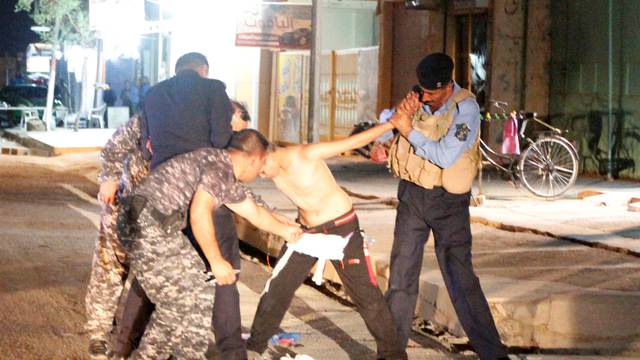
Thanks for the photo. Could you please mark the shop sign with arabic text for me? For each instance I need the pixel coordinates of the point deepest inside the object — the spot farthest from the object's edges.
(275, 25)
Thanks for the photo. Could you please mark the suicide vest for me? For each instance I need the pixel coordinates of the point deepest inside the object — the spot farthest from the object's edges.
(404, 163)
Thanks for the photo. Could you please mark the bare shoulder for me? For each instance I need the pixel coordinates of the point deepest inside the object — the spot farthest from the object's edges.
(289, 156)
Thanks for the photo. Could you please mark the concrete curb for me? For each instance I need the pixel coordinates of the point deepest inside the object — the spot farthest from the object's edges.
(612, 243)
(35, 147)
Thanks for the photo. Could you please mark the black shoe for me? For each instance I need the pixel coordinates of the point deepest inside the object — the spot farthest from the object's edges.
(99, 350)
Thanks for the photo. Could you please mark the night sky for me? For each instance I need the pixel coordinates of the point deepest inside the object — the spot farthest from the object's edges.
(15, 34)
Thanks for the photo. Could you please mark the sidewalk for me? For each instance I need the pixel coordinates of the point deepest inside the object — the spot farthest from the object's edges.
(605, 219)
(546, 288)
(59, 141)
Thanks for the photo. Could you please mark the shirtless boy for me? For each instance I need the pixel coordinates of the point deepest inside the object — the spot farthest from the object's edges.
(323, 207)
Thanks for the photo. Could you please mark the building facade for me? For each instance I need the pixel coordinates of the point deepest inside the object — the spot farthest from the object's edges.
(549, 57)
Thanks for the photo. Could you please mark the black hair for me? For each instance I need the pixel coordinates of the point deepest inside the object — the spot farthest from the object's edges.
(249, 141)
(190, 61)
(244, 114)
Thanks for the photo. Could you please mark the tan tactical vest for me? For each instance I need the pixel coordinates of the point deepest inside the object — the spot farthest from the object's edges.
(457, 178)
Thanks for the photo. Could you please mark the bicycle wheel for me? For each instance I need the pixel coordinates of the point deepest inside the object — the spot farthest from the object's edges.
(548, 167)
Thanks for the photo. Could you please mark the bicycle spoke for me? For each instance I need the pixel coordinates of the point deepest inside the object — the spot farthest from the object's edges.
(562, 180)
(564, 169)
(538, 156)
(559, 184)
(550, 192)
(538, 151)
(537, 165)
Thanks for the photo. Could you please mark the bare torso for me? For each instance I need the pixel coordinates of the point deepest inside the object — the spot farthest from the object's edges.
(312, 188)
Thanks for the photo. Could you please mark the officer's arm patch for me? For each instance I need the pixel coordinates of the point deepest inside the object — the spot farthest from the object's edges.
(462, 132)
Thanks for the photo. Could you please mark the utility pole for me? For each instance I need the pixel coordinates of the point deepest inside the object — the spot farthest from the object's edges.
(49, 119)
(313, 122)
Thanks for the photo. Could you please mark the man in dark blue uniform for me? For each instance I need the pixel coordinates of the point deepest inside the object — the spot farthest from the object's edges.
(187, 112)
(436, 157)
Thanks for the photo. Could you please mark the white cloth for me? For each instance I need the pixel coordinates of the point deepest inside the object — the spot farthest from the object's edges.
(322, 246)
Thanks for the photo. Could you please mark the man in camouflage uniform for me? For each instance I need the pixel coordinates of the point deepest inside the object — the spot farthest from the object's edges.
(162, 257)
(123, 166)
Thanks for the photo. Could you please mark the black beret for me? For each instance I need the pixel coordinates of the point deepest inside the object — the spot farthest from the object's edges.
(434, 71)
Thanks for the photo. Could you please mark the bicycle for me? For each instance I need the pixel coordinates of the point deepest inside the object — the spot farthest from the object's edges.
(547, 166)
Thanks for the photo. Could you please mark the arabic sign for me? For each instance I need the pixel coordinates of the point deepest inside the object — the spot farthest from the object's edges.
(274, 25)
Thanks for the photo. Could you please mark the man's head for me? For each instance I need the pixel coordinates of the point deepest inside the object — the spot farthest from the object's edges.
(240, 119)
(193, 61)
(248, 149)
(434, 74)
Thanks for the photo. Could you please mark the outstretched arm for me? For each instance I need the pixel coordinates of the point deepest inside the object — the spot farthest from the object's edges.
(325, 150)
(264, 220)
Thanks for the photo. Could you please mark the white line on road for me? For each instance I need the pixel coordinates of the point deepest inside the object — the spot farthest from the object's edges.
(81, 194)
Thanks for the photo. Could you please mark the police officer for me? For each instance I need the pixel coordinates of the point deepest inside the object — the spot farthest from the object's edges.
(436, 157)
(122, 168)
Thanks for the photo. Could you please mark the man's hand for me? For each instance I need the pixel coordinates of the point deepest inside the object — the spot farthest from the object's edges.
(403, 118)
(223, 272)
(291, 234)
(107, 192)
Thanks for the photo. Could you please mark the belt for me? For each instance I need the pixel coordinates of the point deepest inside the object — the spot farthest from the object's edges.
(331, 224)
(172, 222)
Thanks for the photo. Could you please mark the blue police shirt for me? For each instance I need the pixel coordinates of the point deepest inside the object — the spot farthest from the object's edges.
(461, 135)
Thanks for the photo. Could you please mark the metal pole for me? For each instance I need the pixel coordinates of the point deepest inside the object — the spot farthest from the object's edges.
(610, 95)
(313, 130)
(97, 99)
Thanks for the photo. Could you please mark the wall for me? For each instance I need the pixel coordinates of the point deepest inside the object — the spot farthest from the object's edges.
(538, 57)
(506, 62)
(580, 82)
(210, 27)
(406, 37)
(347, 28)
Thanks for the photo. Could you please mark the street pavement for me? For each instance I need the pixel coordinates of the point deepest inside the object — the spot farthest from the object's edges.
(556, 273)
(540, 285)
(49, 219)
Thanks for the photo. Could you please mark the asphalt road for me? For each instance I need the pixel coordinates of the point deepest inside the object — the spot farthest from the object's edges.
(48, 226)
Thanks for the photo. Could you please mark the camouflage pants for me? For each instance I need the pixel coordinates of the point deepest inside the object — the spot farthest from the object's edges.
(107, 278)
(172, 274)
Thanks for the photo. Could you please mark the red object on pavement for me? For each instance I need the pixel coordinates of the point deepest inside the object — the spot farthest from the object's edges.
(510, 141)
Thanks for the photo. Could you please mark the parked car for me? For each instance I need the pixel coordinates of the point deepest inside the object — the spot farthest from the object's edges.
(24, 95)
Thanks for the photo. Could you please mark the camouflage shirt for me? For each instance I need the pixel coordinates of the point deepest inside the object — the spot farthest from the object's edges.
(122, 158)
(171, 185)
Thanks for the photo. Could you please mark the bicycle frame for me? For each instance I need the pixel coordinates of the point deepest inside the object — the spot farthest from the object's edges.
(485, 149)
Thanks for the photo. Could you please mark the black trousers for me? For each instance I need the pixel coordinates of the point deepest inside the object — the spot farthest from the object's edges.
(227, 326)
(422, 210)
(357, 277)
